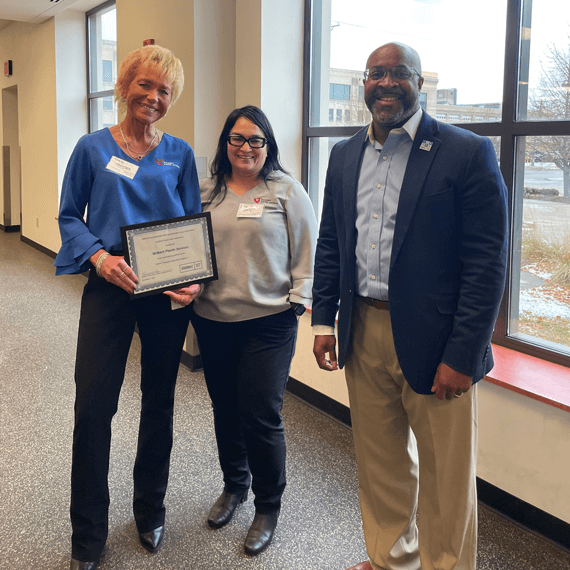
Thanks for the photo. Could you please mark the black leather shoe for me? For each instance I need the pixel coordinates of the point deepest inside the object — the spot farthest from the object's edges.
(152, 540)
(77, 565)
(223, 509)
(261, 532)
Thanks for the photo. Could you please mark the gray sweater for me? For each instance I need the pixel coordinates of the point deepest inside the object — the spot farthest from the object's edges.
(265, 245)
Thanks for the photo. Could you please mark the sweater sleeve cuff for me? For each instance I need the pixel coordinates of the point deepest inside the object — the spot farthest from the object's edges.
(322, 329)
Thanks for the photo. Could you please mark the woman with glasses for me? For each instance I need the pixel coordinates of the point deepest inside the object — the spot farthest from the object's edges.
(246, 322)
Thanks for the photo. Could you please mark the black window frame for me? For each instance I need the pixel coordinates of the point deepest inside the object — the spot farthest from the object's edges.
(509, 130)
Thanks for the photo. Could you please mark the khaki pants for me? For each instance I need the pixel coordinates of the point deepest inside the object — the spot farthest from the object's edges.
(414, 453)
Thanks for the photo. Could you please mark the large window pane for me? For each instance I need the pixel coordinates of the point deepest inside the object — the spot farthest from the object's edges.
(102, 46)
(544, 86)
(464, 85)
(540, 306)
(345, 33)
(319, 152)
(102, 113)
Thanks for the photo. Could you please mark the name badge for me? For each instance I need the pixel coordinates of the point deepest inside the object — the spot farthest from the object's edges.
(119, 166)
(250, 211)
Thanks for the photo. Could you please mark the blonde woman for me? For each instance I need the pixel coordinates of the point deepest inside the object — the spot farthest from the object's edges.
(156, 180)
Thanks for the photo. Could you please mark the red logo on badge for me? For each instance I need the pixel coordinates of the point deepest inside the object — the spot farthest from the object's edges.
(158, 161)
(257, 200)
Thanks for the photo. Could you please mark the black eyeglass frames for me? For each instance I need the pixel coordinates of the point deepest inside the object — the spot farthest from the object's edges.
(254, 142)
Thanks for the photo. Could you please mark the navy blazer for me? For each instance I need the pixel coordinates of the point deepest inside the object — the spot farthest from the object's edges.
(447, 269)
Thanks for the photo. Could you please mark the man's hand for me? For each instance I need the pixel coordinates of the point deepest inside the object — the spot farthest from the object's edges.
(325, 344)
(449, 383)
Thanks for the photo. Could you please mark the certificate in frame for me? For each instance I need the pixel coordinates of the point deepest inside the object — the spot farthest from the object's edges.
(169, 254)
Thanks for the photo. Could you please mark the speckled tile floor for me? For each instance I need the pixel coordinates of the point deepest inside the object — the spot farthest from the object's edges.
(319, 528)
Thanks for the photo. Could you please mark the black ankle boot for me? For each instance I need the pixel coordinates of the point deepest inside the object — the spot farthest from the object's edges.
(223, 509)
(261, 532)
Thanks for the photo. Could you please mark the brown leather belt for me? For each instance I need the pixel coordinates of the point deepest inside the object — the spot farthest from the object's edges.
(376, 303)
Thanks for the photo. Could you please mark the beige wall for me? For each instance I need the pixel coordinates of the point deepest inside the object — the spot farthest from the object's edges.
(524, 448)
(214, 72)
(269, 69)
(32, 51)
(171, 24)
(248, 71)
(237, 52)
(282, 78)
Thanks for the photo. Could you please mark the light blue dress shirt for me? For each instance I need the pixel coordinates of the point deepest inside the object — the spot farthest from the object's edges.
(381, 176)
(379, 183)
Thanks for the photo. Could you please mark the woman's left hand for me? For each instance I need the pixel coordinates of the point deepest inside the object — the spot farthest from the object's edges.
(185, 295)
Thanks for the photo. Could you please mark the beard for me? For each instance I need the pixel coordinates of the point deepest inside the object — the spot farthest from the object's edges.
(391, 116)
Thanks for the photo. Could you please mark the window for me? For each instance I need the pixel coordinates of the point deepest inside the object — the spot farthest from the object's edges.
(540, 305)
(331, 115)
(341, 92)
(102, 58)
(523, 106)
(338, 115)
(107, 71)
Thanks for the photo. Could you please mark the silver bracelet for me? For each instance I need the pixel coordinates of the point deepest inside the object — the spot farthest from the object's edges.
(99, 263)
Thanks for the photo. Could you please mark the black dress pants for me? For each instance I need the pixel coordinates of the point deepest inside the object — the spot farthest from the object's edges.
(246, 367)
(106, 328)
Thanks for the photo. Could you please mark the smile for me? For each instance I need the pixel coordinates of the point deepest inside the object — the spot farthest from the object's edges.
(148, 108)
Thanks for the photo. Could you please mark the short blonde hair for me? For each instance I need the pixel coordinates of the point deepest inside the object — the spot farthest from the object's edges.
(164, 60)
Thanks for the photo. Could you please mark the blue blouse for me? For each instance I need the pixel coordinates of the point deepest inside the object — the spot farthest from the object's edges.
(164, 186)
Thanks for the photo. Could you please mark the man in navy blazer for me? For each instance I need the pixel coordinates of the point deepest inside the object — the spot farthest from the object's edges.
(412, 254)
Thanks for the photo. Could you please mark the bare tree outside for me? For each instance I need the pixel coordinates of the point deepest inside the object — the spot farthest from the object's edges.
(550, 101)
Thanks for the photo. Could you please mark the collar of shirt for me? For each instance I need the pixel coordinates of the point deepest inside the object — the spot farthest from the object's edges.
(410, 127)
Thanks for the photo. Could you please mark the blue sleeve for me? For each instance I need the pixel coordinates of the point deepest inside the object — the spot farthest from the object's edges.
(77, 243)
(327, 271)
(188, 185)
(482, 250)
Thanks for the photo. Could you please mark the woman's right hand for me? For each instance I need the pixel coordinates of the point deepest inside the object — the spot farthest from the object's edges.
(115, 270)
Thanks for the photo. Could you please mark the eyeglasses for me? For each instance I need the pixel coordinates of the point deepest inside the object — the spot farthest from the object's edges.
(254, 142)
(400, 73)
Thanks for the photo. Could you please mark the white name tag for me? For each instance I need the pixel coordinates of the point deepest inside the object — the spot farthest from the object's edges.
(250, 211)
(119, 166)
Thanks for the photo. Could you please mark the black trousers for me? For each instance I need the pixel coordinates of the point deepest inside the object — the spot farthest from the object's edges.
(106, 328)
(246, 367)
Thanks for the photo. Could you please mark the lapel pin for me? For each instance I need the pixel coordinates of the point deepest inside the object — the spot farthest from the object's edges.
(426, 145)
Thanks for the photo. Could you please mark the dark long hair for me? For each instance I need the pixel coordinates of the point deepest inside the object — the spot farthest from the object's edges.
(221, 168)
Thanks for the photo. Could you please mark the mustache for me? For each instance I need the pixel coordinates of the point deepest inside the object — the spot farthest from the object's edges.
(379, 92)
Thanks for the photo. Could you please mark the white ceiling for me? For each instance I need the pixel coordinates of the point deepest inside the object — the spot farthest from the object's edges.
(38, 11)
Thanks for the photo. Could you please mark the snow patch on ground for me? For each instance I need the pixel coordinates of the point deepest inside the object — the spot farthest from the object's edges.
(542, 274)
(540, 304)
